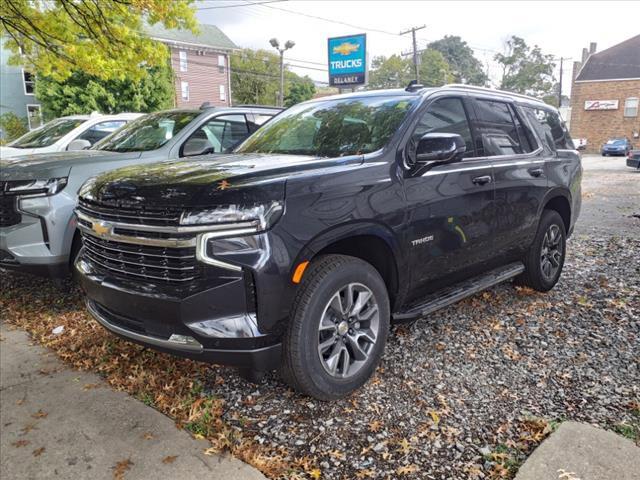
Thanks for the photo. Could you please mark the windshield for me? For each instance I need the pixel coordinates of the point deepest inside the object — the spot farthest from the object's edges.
(147, 133)
(48, 134)
(331, 128)
(617, 141)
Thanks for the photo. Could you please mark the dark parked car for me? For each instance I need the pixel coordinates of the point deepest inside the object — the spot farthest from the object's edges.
(633, 159)
(617, 146)
(339, 216)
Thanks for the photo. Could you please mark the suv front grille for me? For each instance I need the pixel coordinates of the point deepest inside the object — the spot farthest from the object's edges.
(141, 261)
(134, 248)
(139, 216)
(9, 215)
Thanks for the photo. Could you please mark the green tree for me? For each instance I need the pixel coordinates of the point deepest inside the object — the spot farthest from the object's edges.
(12, 126)
(299, 89)
(99, 37)
(434, 69)
(255, 77)
(526, 70)
(390, 72)
(466, 68)
(83, 93)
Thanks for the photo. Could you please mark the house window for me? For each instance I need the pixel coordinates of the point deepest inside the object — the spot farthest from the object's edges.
(29, 81)
(223, 93)
(34, 116)
(221, 63)
(631, 107)
(183, 60)
(184, 87)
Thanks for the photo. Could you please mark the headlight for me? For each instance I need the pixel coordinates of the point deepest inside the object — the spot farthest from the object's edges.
(261, 217)
(35, 187)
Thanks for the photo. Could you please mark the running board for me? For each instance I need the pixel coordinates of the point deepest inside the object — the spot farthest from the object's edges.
(459, 291)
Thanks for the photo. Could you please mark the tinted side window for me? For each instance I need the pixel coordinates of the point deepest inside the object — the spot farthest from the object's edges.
(101, 130)
(258, 120)
(551, 128)
(446, 115)
(500, 130)
(217, 135)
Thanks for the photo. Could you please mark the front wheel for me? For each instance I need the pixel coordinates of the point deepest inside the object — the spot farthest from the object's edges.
(338, 328)
(545, 258)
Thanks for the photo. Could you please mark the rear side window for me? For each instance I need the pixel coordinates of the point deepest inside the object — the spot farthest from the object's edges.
(550, 127)
(446, 115)
(500, 131)
(101, 130)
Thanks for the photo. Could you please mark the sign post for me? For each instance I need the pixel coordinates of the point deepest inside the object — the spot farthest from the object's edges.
(348, 61)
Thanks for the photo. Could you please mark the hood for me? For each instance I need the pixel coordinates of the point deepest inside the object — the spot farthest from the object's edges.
(206, 181)
(52, 165)
(9, 152)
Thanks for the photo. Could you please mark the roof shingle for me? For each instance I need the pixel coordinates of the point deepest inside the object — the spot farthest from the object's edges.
(619, 62)
(208, 36)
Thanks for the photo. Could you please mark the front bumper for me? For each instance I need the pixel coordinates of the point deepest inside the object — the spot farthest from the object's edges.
(211, 324)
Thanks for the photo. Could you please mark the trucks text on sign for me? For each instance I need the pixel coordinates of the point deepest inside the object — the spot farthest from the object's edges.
(348, 60)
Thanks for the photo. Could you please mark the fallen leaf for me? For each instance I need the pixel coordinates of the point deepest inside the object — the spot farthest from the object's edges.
(375, 426)
(169, 459)
(211, 451)
(20, 443)
(38, 451)
(407, 469)
(89, 386)
(315, 473)
(147, 435)
(121, 468)
(40, 414)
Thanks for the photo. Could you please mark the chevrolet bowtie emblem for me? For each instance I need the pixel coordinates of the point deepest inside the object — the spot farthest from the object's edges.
(346, 48)
(100, 228)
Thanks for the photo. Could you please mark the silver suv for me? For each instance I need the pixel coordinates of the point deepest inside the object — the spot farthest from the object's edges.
(39, 192)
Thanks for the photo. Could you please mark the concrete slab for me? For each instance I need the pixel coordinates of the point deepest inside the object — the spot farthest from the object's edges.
(581, 452)
(60, 423)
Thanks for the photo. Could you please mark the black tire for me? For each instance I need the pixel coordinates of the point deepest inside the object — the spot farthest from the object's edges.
(534, 275)
(302, 366)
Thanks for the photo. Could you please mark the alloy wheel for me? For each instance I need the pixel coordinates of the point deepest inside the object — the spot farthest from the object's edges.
(551, 254)
(348, 330)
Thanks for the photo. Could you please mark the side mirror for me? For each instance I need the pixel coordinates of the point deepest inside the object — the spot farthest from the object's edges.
(197, 146)
(79, 144)
(440, 148)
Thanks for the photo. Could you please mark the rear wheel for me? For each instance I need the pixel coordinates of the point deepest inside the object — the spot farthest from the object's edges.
(338, 328)
(545, 258)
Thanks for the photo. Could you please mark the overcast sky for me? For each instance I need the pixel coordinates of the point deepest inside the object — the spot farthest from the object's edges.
(559, 28)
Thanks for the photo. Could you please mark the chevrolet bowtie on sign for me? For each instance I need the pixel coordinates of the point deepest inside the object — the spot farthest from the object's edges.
(348, 61)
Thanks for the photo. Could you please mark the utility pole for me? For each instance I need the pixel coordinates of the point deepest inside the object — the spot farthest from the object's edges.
(413, 31)
(275, 44)
(560, 84)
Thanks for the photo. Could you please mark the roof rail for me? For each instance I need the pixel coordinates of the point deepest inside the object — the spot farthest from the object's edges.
(494, 91)
(248, 105)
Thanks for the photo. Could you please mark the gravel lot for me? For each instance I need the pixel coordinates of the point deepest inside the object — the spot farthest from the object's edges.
(466, 393)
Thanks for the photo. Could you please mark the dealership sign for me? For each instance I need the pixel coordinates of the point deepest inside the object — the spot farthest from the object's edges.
(601, 105)
(348, 61)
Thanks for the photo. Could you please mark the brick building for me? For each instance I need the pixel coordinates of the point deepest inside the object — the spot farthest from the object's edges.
(200, 64)
(605, 94)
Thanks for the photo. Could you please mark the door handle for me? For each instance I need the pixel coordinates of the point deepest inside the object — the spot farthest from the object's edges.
(482, 180)
(536, 172)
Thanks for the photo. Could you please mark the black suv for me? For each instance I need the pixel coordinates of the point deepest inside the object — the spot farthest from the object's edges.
(337, 217)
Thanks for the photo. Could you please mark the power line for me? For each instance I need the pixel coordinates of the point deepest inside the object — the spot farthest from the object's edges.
(330, 20)
(240, 5)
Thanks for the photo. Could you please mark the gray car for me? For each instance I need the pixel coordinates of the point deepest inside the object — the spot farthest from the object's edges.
(39, 192)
